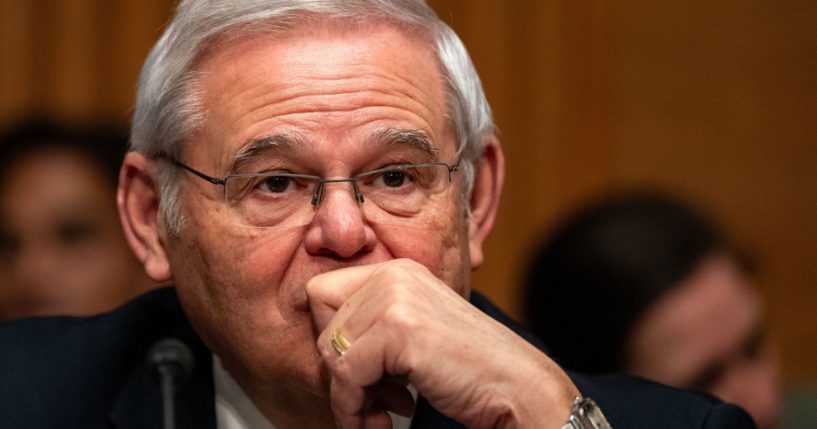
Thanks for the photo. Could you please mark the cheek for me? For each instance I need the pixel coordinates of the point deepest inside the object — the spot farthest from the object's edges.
(243, 264)
(438, 241)
(231, 282)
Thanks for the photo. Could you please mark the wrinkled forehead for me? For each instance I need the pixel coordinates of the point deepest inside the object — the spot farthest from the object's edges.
(360, 47)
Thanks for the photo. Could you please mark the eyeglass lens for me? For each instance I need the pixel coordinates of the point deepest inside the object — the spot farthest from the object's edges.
(265, 200)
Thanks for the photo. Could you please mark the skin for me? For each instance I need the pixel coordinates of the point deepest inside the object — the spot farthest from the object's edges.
(62, 250)
(707, 334)
(267, 300)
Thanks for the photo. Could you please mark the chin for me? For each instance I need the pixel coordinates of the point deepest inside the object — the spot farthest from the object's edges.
(301, 372)
(289, 357)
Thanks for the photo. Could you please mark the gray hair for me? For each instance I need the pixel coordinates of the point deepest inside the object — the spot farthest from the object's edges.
(168, 109)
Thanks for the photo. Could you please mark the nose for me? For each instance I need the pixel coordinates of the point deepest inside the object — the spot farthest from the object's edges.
(339, 228)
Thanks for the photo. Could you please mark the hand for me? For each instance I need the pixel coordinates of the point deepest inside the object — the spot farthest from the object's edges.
(404, 324)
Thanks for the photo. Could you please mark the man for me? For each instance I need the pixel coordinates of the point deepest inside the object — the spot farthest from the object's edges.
(316, 179)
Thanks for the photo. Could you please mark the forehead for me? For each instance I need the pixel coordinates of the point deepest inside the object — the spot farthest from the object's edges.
(54, 183)
(333, 85)
(55, 174)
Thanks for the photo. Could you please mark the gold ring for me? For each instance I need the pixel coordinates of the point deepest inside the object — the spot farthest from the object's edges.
(339, 342)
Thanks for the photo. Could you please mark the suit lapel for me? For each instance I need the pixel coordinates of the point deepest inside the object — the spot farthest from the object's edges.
(139, 402)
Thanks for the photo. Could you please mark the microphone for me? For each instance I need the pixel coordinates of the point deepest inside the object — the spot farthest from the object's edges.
(171, 362)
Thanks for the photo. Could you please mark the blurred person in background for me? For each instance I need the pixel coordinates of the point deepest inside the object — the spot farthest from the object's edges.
(664, 296)
(62, 250)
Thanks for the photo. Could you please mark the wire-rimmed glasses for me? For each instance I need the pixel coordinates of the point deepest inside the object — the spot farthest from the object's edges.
(267, 199)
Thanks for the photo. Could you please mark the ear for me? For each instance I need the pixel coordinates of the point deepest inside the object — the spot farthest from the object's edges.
(489, 177)
(138, 201)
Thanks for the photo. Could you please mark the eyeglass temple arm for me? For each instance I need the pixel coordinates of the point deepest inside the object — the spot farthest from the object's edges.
(452, 169)
(211, 179)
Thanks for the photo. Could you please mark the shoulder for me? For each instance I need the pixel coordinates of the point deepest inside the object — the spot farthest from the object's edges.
(38, 341)
(69, 366)
(630, 402)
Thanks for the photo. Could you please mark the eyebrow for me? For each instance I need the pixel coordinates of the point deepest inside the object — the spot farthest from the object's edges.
(259, 146)
(416, 139)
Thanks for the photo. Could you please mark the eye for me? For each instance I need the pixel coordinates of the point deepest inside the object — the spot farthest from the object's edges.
(72, 233)
(394, 179)
(275, 184)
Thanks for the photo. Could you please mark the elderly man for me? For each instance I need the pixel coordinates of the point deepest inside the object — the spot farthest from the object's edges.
(316, 179)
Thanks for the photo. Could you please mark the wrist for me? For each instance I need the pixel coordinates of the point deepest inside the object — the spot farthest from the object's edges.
(543, 397)
(585, 414)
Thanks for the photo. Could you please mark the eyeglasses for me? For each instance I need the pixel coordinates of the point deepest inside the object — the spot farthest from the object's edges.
(268, 199)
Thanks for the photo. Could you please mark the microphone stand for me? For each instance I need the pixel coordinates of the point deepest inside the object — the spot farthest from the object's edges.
(172, 363)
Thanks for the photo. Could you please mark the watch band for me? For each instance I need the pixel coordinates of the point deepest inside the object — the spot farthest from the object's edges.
(585, 414)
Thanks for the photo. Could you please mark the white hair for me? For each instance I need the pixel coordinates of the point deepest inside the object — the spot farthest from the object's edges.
(168, 109)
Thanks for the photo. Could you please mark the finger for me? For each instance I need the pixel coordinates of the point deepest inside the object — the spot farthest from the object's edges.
(376, 402)
(351, 321)
(329, 291)
(360, 387)
(333, 288)
(326, 293)
(348, 403)
(377, 418)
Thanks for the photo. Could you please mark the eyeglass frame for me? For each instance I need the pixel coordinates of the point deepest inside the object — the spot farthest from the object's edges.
(318, 195)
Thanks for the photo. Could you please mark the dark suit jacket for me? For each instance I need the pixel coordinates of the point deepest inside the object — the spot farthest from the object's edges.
(67, 372)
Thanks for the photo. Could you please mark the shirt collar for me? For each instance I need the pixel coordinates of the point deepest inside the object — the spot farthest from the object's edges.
(235, 410)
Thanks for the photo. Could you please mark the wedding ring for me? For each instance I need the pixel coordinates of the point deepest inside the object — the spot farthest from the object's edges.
(339, 342)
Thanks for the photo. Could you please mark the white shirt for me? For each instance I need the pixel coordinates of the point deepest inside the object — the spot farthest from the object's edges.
(235, 410)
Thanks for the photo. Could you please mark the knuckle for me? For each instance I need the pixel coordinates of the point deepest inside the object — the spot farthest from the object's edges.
(400, 318)
(398, 291)
(389, 271)
(401, 271)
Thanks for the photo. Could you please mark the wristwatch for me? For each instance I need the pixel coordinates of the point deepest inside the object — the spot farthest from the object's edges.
(585, 414)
